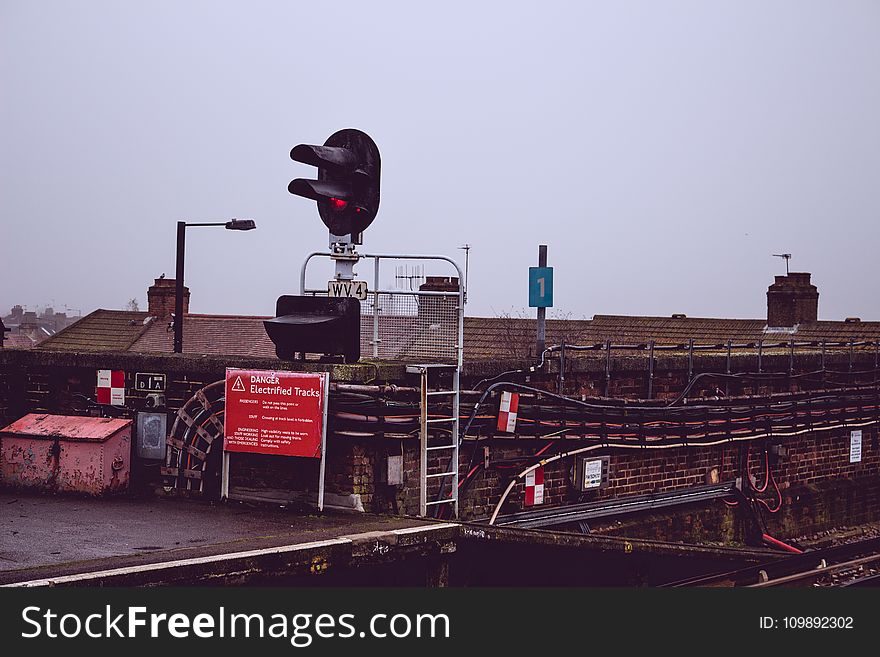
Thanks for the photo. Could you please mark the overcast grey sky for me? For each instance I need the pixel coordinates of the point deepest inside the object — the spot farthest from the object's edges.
(662, 150)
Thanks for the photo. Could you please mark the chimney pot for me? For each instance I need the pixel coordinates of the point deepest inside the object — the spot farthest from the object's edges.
(439, 284)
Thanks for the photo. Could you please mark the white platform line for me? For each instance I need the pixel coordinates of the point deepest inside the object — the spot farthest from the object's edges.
(180, 563)
(214, 558)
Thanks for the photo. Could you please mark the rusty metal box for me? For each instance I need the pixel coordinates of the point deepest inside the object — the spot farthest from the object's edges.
(66, 453)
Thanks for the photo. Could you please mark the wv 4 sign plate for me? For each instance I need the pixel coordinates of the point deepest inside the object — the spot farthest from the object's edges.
(354, 289)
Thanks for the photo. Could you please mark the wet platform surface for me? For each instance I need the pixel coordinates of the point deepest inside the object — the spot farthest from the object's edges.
(50, 540)
(43, 536)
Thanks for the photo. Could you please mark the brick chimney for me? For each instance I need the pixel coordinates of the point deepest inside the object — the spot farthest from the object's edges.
(60, 321)
(160, 298)
(439, 284)
(28, 322)
(792, 300)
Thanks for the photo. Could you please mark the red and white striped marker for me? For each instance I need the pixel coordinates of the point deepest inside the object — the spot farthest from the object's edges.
(535, 487)
(507, 412)
(111, 387)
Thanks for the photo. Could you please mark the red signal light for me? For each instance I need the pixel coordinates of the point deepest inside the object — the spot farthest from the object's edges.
(338, 204)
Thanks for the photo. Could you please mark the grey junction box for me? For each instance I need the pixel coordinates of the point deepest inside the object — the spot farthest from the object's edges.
(151, 432)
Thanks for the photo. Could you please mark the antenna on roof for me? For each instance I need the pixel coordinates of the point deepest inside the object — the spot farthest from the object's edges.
(784, 256)
(467, 251)
(402, 273)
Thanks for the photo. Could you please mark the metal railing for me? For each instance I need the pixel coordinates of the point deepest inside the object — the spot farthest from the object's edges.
(760, 350)
(407, 325)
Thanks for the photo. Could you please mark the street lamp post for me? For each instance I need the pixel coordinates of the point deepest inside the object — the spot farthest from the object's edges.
(234, 224)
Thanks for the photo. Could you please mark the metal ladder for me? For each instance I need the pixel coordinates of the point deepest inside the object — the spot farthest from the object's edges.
(424, 371)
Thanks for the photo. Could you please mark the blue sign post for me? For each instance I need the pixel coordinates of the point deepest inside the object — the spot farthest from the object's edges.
(541, 294)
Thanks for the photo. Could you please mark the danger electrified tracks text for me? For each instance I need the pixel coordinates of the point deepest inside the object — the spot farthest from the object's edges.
(275, 412)
(287, 392)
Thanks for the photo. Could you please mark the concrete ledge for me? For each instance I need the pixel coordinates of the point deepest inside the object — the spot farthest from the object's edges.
(361, 372)
(491, 533)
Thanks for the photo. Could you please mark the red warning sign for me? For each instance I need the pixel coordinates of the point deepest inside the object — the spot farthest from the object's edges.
(278, 413)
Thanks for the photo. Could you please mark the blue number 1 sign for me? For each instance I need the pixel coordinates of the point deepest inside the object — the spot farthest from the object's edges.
(540, 287)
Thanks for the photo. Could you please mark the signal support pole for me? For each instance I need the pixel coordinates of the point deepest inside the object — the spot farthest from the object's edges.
(542, 311)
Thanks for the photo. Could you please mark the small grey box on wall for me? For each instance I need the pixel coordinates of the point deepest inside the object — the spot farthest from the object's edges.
(394, 476)
(591, 472)
(151, 433)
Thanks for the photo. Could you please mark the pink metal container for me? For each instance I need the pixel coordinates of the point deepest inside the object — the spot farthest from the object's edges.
(66, 453)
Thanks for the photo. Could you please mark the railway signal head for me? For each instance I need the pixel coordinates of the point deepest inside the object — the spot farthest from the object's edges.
(347, 188)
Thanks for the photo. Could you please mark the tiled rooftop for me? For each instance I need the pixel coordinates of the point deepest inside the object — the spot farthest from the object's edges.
(486, 338)
(101, 330)
(18, 341)
(210, 334)
(493, 337)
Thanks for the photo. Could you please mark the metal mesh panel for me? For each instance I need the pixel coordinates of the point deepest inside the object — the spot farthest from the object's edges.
(410, 326)
(421, 324)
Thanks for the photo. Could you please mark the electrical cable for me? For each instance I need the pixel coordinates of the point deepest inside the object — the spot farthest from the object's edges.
(780, 544)
(741, 375)
(620, 424)
(531, 369)
(609, 445)
(766, 470)
(778, 494)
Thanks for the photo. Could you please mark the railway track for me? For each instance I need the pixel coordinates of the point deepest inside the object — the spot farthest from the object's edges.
(845, 573)
(855, 563)
(865, 581)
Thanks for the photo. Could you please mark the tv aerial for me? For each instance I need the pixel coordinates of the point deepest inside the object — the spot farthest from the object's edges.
(784, 256)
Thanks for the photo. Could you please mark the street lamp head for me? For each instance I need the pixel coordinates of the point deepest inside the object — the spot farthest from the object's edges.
(241, 224)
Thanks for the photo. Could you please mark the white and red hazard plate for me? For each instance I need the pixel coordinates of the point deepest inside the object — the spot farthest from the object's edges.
(507, 411)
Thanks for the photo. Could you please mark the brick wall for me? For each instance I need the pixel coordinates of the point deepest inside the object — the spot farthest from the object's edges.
(810, 460)
(820, 485)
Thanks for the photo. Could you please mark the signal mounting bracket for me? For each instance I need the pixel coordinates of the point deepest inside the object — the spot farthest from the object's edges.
(343, 251)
